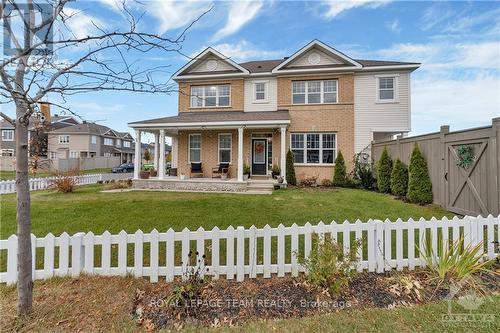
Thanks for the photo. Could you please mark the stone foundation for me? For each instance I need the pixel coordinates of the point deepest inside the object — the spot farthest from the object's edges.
(191, 185)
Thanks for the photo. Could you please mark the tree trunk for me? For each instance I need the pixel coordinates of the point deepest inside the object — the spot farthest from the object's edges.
(23, 217)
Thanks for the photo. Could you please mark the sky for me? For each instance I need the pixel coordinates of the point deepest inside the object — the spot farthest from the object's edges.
(458, 44)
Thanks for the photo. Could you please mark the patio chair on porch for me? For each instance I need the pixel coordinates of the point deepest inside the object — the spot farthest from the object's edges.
(196, 170)
(223, 168)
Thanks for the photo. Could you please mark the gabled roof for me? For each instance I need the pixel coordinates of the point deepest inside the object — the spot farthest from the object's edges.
(328, 49)
(238, 68)
(88, 128)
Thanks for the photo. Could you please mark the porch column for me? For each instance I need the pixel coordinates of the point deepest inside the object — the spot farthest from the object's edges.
(175, 148)
(240, 154)
(283, 153)
(156, 152)
(137, 160)
(161, 156)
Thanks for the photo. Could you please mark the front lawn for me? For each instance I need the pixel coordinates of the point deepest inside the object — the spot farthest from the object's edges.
(9, 175)
(90, 210)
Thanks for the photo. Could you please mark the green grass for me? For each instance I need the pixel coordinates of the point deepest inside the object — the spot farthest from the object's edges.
(87, 209)
(7, 175)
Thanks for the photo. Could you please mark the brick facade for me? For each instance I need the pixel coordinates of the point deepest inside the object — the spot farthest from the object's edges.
(338, 118)
(237, 95)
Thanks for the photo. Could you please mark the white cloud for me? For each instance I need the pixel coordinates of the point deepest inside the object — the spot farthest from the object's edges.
(240, 13)
(88, 110)
(243, 50)
(460, 103)
(176, 14)
(80, 24)
(393, 26)
(336, 7)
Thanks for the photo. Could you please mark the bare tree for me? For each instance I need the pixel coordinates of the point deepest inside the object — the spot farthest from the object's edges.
(100, 61)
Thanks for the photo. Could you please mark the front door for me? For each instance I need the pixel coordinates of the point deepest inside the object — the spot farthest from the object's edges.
(259, 157)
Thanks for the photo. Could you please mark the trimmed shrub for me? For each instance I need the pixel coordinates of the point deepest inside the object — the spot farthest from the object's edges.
(419, 182)
(384, 169)
(339, 175)
(290, 169)
(399, 179)
(363, 174)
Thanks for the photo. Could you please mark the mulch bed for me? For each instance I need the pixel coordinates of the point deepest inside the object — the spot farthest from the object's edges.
(224, 302)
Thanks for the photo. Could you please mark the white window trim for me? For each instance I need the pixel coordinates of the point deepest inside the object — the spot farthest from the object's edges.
(189, 147)
(118, 143)
(126, 144)
(62, 142)
(106, 144)
(93, 139)
(396, 93)
(266, 92)
(230, 148)
(321, 92)
(9, 131)
(203, 99)
(304, 134)
(74, 152)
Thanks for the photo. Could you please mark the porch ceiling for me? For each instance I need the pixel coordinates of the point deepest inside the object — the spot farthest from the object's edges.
(216, 119)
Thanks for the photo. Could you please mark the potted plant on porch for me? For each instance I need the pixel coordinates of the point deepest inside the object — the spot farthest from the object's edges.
(153, 173)
(275, 171)
(144, 174)
(246, 172)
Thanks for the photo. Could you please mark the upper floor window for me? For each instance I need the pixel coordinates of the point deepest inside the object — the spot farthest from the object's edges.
(210, 96)
(126, 144)
(64, 139)
(314, 92)
(314, 148)
(260, 91)
(194, 148)
(108, 141)
(118, 142)
(73, 154)
(386, 88)
(93, 139)
(7, 135)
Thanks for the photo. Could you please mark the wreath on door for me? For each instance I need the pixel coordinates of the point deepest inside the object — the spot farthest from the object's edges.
(259, 148)
(465, 155)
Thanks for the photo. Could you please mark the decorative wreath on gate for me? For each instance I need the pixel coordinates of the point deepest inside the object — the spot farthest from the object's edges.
(259, 148)
(465, 155)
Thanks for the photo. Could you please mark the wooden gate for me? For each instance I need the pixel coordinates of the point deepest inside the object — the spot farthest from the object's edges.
(467, 188)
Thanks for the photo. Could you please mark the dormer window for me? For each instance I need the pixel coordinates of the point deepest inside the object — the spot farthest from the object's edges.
(210, 96)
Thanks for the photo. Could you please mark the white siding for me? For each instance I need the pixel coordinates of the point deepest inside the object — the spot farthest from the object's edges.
(272, 90)
(371, 116)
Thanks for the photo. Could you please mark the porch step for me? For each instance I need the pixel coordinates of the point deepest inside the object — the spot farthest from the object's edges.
(260, 187)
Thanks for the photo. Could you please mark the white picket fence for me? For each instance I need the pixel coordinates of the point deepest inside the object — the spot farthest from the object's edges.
(241, 255)
(9, 186)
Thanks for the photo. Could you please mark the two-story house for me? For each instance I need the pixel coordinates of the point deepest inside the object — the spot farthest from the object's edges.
(37, 132)
(88, 140)
(315, 103)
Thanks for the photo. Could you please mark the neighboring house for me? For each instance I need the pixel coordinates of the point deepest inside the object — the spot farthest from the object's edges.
(7, 140)
(90, 140)
(315, 102)
(37, 132)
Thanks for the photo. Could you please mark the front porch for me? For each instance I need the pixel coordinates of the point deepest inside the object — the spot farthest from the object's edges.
(255, 185)
(247, 144)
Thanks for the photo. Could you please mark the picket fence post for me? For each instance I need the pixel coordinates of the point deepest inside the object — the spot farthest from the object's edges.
(240, 253)
(379, 243)
(11, 260)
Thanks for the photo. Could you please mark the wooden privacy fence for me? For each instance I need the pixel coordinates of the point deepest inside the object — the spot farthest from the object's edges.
(246, 252)
(470, 190)
(9, 186)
